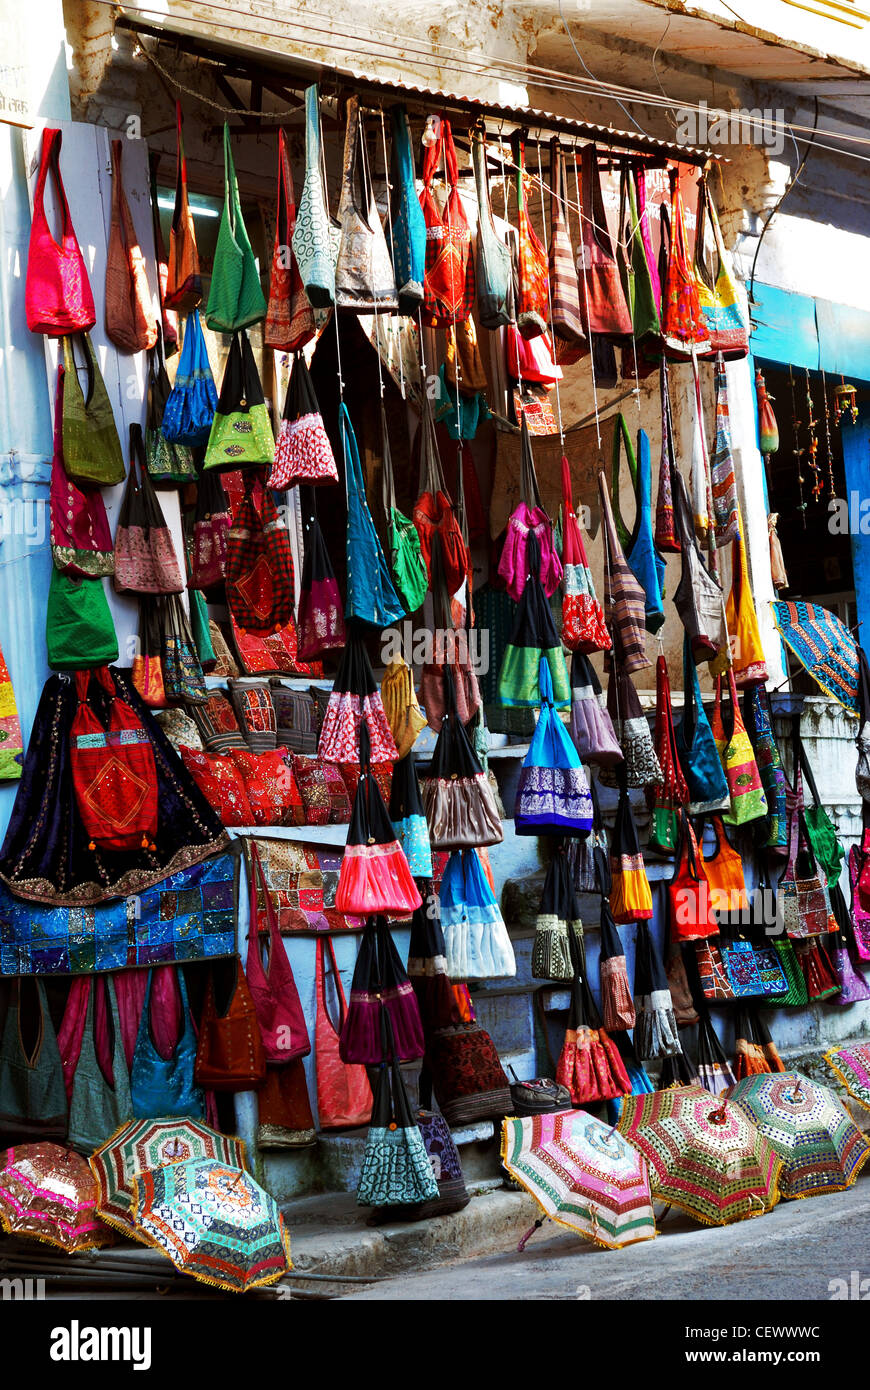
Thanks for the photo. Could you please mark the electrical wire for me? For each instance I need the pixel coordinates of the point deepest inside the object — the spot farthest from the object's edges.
(589, 72)
(776, 208)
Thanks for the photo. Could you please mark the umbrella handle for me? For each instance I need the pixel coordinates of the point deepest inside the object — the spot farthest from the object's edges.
(521, 1244)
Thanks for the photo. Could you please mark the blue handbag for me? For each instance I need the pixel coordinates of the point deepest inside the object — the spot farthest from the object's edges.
(476, 940)
(192, 402)
(409, 818)
(644, 561)
(409, 224)
(164, 1085)
(696, 749)
(370, 594)
(553, 794)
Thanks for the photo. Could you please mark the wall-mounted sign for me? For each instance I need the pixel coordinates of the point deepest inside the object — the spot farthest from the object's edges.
(16, 104)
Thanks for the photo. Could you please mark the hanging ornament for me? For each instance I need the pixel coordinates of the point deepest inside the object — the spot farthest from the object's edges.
(845, 401)
(797, 450)
(828, 452)
(813, 442)
(768, 430)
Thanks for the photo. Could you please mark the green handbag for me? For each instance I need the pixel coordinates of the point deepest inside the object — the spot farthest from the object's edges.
(241, 431)
(166, 461)
(796, 996)
(91, 447)
(827, 848)
(79, 631)
(200, 630)
(407, 566)
(235, 296)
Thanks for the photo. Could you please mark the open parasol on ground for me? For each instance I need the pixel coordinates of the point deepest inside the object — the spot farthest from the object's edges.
(852, 1065)
(49, 1193)
(823, 646)
(583, 1174)
(142, 1144)
(213, 1222)
(704, 1155)
(821, 1147)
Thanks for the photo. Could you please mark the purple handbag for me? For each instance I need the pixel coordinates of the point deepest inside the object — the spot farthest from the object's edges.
(320, 618)
(590, 725)
(380, 983)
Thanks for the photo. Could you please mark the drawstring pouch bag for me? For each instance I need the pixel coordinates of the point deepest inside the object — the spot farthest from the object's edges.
(354, 700)
(590, 725)
(533, 642)
(671, 793)
(371, 597)
(630, 893)
(81, 542)
(699, 758)
(553, 794)
(315, 236)
(168, 464)
(380, 986)
(375, 876)
(183, 676)
(91, 447)
(477, 945)
(303, 453)
(235, 299)
(130, 324)
(583, 625)
(273, 988)
(259, 566)
(460, 806)
(289, 316)
(241, 431)
(113, 769)
(655, 1033)
(320, 617)
(57, 292)
(408, 569)
(748, 801)
(192, 402)
(713, 982)
(689, 896)
(145, 559)
(211, 527)
(408, 817)
(640, 763)
(617, 1004)
(183, 282)
(396, 1169)
(79, 631)
(558, 916)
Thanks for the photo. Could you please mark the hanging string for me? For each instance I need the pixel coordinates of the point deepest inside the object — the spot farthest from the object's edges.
(635, 230)
(582, 250)
(549, 288)
(389, 188)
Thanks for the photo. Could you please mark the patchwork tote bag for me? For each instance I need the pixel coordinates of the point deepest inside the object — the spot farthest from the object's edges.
(590, 725)
(168, 463)
(145, 559)
(114, 773)
(477, 944)
(371, 597)
(57, 292)
(748, 801)
(460, 806)
(192, 402)
(553, 794)
(81, 542)
(375, 876)
(583, 625)
(235, 298)
(241, 431)
(259, 565)
(320, 617)
(558, 916)
(91, 446)
(130, 323)
(183, 282)
(380, 986)
(303, 453)
(407, 566)
(289, 316)
(315, 236)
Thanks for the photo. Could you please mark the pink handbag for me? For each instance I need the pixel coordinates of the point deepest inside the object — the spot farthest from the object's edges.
(860, 907)
(57, 293)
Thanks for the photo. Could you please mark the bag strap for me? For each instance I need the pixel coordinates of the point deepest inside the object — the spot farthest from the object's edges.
(449, 155)
(529, 491)
(324, 945)
(431, 475)
(388, 481)
(51, 165)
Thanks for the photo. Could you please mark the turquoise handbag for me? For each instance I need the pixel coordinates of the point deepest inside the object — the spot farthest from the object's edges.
(696, 749)
(371, 596)
(164, 1085)
(644, 561)
(409, 224)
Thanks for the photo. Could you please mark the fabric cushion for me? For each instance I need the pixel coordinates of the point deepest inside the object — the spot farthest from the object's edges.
(271, 787)
(221, 782)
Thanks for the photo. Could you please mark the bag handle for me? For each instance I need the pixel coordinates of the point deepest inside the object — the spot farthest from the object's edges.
(324, 944)
(529, 491)
(51, 165)
(431, 475)
(388, 481)
(286, 192)
(449, 155)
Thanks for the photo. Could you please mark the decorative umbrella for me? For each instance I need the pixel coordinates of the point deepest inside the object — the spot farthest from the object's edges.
(821, 1147)
(583, 1174)
(213, 1222)
(704, 1155)
(142, 1144)
(852, 1065)
(49, 1193)
(823, 646)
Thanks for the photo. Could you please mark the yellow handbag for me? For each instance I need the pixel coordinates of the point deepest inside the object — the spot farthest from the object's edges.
(399, 697)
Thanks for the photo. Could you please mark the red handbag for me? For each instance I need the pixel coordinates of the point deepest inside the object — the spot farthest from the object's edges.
(259, 566)
(229, 1053)
(602, 298)
(583, 625)
(57, 294)
(344, 1096)
(448, 282)
(683, 326)
(113, 770)
(434, 516)
(289, 316)
(273, 988)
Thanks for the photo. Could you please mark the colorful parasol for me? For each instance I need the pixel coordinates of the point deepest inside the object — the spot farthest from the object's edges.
(213, 1222)
(823, 646)
(704, 1155)
(584, 1175)
(49, 1193)
(142, 1144)
(852, 1065)
(821, 1147)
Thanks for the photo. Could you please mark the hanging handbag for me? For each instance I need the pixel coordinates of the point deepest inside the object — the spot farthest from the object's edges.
(804, 901)
(145, 559)
(818, 971)
(192, 402)
(684, 331)
(748, 801)
(315, 236)
(211, 528)
(183, 282)
(57, 292)
(859, 914)
(364, 279)
(161, 1085)
(665, 533)
(699, 757)
(492, 261)
(656, 1033)
(741, 966)
(408, 569)
(81, 542)
(640, 765)
(230, 1055)
(862, 742)
(183, 677)
(434, 515)
(91, 447)
(168, 463)
(375, 875)
(408, 818)
(303, 453)
(289, 316)
(99, 1104)
(602, 298)
(408, 223)
(583, 625)
(79, 630)
(724, 870)
(235, 297)
(529, 519)
(395, 1166)
(713, 980)
(853, 987)
(354, 700)
(590, 725)
(401, 708)
(147, 669)
(821, 830)
(624, 599)
(130, 322)
(617, 1004)
(258, 572)
(558, 916)
(477, 944)
(671, 794)
(114, 773)
(726, 508)
(33, 1102)
(532, 273)
(691, 914)
(640, 552)
(795, 995)
(272, 986)
(567, 315)
(757, 710)
(380, 986)
(744, 636)
(717, 292)
(639, 282)
(590, 1065)
(460, 806)
(320, 616)
(698, 597)
(552, 793)
(630, 895)
(533, 639)
(344, 1096)
(467, 1076)
(370, 595)
(714, 1069)
(448, 286)
(241, 431)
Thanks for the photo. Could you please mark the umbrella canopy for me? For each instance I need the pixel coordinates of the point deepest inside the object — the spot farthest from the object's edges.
(821, 1147)
(583, 1174)
(142, 1144)
(213, 1222)
(852, 1065)
(704, 1155)
(49, 1193)
(823, 646)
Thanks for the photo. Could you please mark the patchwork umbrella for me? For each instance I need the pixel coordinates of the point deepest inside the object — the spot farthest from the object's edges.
(146, 1144)
(213, 1222)
(583, 1174)
(49, 1193)
(823, 646)
(852, 1065)
(821, 1147)
(704, 1155)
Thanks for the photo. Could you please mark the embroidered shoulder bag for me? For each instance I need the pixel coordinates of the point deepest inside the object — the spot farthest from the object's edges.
(145, 559)
(57, 292)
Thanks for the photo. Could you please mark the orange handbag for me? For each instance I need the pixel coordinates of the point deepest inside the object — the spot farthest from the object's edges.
(230, 1055)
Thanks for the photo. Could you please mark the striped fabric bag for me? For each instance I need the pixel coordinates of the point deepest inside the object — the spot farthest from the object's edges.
(624, 599)
(725, 515)
(564, 284)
